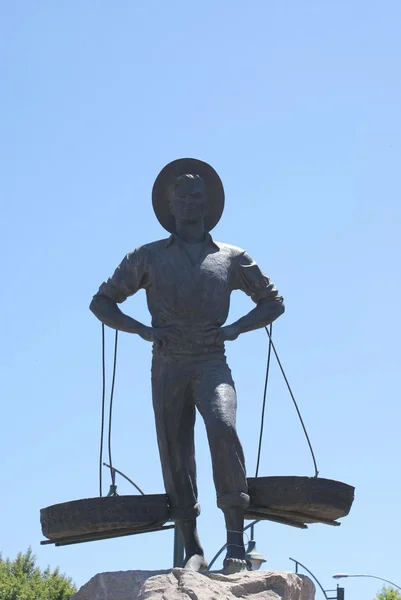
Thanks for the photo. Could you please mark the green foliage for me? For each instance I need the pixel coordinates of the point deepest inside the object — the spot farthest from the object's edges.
(388, 593)
(21, 579)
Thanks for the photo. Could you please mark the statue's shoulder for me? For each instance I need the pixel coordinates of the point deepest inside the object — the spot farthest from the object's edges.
(157, 245)
(150, 248)
(229, 249)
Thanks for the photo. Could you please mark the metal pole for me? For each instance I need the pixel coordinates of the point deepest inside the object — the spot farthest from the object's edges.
(178, 558)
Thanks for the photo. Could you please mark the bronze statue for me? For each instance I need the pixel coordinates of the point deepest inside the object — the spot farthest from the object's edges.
(188, 279)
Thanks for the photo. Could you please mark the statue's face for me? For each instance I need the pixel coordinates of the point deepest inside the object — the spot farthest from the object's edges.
(189, 201)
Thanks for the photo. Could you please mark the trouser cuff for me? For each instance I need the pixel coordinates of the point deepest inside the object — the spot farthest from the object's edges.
(184, 513)
(234, 499)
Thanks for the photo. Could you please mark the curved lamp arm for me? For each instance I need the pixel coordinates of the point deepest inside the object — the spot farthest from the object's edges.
(340, 575)
(216, 556)
(311, 574)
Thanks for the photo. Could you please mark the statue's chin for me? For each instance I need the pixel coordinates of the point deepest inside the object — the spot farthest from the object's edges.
(192, 219)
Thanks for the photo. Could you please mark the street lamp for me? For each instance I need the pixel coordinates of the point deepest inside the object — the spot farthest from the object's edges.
(254, 556)
(252, 553)
(340, 575)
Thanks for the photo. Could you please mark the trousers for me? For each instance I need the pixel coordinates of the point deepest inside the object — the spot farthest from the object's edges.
(180, 385)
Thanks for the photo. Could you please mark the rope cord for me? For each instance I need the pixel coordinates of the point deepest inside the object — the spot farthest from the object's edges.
(126, 477)
(102, 418)
(262, 419)
(112, 470)
(293, 399)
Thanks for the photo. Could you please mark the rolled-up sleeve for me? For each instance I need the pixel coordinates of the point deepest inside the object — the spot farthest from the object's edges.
(250, 279)
(130, 276)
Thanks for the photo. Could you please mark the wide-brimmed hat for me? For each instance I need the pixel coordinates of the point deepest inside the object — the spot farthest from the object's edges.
(167, 176)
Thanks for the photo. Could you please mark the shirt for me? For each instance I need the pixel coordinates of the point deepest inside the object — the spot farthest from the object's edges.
(193, 298)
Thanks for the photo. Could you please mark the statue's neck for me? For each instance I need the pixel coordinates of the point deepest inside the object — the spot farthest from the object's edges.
(191, 232)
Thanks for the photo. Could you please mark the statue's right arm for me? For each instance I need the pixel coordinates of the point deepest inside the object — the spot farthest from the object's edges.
(107, 311)
(127, 279)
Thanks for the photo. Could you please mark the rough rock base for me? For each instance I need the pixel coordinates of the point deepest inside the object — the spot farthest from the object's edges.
(180, 584)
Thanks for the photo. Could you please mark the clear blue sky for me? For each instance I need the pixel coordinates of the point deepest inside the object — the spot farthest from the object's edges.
(297, 106)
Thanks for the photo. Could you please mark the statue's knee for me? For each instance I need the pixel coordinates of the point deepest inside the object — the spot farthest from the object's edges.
(233, 500)
(184, 513)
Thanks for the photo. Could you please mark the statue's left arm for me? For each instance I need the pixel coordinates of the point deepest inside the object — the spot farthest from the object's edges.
(269, 304)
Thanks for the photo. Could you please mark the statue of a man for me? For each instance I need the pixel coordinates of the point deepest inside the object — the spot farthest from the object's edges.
(188, 279)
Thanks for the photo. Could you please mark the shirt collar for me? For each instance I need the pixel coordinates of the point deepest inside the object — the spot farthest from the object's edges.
(174, 239)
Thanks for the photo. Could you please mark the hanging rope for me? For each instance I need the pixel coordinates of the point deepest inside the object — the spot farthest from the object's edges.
(262, 419)
(112, 470)
(293, 399)
(127, 478)
(102, 419)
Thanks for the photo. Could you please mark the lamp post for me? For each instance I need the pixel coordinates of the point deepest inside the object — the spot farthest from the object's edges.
(341, 575)
(178, 552)
(339, 591)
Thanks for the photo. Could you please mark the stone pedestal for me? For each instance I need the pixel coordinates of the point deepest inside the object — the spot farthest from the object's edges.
(180, 584)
